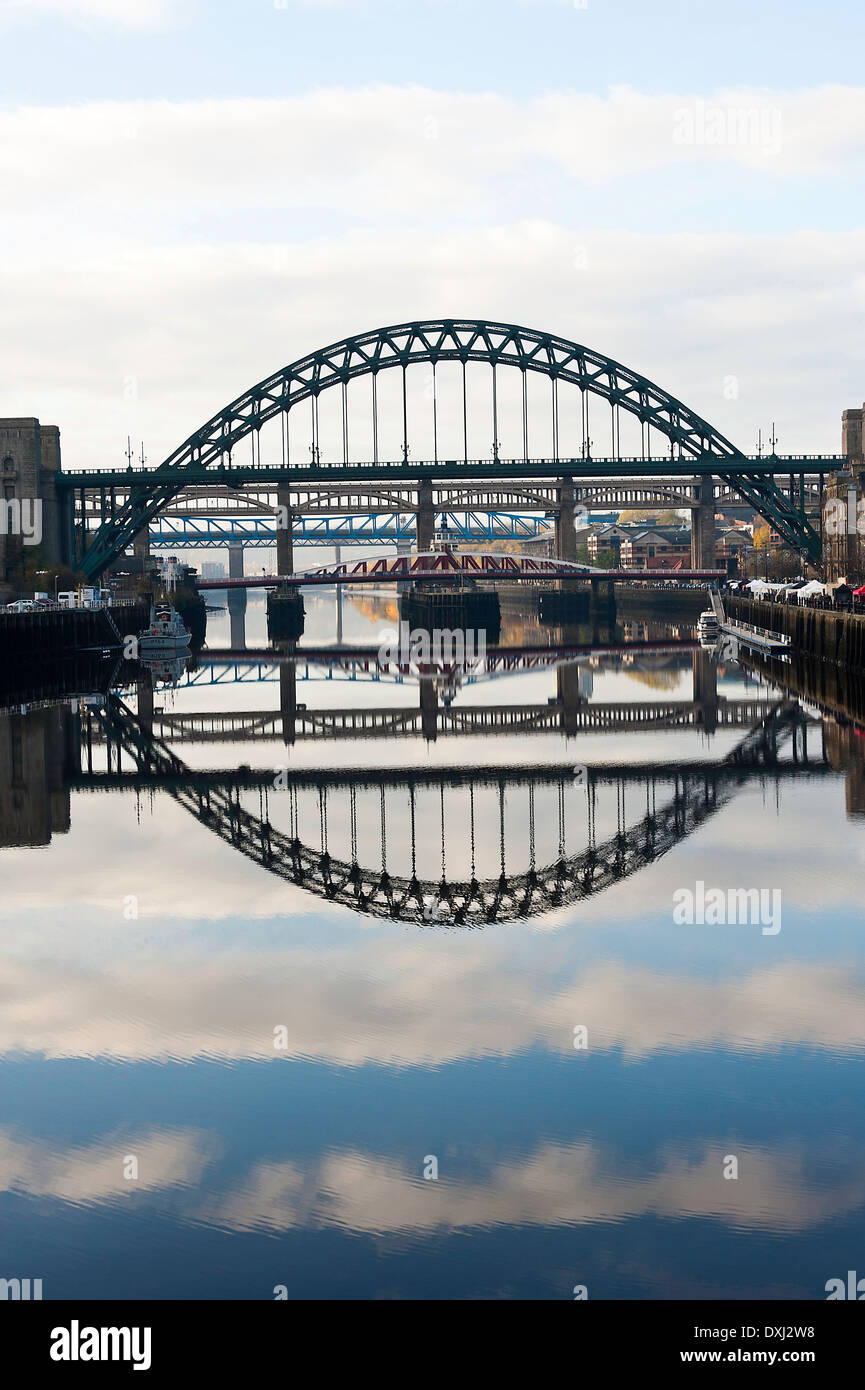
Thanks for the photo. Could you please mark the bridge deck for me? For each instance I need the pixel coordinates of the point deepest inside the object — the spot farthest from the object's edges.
(312, 724)
(433, 470)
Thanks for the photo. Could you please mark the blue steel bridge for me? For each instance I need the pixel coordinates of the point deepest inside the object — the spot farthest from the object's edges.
(398, 419)
(174, 533)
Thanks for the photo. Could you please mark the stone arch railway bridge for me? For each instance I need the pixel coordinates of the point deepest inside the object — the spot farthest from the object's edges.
(421, 422)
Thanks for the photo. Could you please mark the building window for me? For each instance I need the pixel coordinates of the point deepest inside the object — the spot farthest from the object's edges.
(9, 464)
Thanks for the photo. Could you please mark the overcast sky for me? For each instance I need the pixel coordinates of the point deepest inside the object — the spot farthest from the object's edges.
(196, 194)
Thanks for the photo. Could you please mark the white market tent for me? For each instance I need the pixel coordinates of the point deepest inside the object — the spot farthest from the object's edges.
(812, 589)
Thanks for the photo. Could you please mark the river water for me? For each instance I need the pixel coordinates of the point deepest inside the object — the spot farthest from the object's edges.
(297, 998)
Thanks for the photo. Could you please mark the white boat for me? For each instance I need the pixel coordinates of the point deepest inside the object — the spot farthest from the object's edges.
(165, 637)
(707, 624)
(166, 670)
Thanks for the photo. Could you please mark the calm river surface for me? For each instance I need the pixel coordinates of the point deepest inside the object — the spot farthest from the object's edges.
(374, 1014)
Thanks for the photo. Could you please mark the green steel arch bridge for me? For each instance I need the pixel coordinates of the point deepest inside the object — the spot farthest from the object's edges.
(589, 397)
(579, 830)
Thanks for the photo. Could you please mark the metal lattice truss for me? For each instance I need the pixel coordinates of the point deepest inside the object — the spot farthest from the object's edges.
(699, 794)
(212, 532)
(454, 340)
(397, 721)
(257, 499)
(447, 567)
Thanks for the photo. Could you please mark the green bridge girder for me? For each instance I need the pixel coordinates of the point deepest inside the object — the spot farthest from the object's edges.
(696, 448)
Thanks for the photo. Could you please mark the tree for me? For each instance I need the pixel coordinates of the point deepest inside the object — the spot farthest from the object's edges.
(38, 576)
(762, 536)
(784, 564)
(669, 517)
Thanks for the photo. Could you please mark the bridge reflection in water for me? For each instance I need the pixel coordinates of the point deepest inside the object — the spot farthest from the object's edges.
(458, 845)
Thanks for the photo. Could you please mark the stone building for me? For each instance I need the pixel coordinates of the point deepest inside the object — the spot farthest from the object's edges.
(34, 794)
(844, 506)
(29, 464)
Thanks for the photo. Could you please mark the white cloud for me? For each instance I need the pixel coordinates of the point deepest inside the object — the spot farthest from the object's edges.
(235, 235)
(195, 324)
(444, 1000)
(405, 152)
(94, 1173)
(557, 1185)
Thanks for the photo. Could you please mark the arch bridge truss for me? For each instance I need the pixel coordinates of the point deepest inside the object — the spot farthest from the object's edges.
(670, 438)
(616, 845)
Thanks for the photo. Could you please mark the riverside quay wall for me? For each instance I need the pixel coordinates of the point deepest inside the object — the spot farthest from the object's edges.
(816, 632)
(52, 631)
(56, 652)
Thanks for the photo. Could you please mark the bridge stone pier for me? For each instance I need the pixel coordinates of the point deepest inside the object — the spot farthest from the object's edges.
(568, 689)
(288, 697)
(141, 544)
(705, 688)
(426, 517)
(145, 702)
(429, 709)
(566, 529)
(236, 597)
(703, 536)
(284, 539)
(235, 562)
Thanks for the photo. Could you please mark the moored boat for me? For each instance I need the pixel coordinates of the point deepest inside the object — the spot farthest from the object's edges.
(707, 624)
(166, 636)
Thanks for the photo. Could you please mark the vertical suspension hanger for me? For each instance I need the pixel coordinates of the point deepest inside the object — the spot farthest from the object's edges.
(465, 416)
(324, 818)
(353, 823)
(444, 857)
(561, 809)
(502, 826)
(413, 832)
(345, 423)
(532, 826)
(472, 823)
